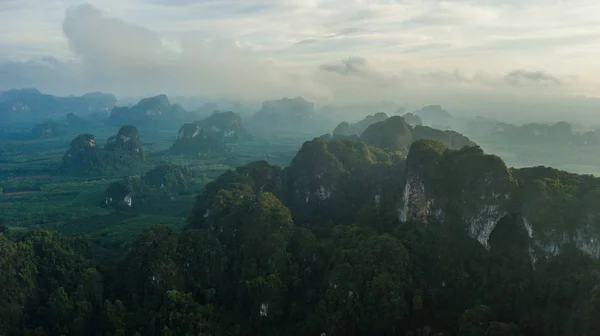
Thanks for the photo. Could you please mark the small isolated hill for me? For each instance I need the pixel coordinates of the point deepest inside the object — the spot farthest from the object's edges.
(122, 150)
(163, 180)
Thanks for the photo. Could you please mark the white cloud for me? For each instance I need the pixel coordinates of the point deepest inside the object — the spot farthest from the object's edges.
(395, 50)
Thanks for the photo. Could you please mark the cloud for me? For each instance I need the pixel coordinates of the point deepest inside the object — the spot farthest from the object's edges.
(520, 77)
(460, 53)
(121, 57)
(307, 41)
(356, 66)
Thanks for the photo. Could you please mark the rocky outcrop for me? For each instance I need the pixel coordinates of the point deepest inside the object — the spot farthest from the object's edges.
(123, 193)
(558, 208)
(465, 186)
(211, 135)
(153, 109)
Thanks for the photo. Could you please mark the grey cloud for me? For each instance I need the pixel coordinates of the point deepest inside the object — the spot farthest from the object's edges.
(47, 73)
(351, 66)
(521, 77)
(444, 76)
(97, 38)
(345, 32)
(307, 41)
(115, 56)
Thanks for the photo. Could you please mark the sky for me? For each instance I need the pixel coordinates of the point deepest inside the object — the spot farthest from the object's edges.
(478, 56)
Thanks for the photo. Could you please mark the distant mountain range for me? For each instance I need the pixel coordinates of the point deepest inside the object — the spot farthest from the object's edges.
(19, 105)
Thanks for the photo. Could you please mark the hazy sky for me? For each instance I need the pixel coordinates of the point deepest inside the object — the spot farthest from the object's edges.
(469, 54)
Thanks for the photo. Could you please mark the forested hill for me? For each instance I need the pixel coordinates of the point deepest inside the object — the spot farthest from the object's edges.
(348, 240)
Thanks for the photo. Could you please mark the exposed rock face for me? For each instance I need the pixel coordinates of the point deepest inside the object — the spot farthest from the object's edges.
(560, 208)
(123, 193)
(162, 181)
(418, 201)
(211, 135)
(465, 191)
(344, 129)
(48, 129)
(464, 185)
(285, 113)
(82, 156)
(314, 173)
(151, 109)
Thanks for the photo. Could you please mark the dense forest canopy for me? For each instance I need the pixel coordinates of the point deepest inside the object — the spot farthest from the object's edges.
(348, 239)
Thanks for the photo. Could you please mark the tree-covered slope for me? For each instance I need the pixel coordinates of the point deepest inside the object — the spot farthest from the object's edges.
(350, 239)
(396, 134)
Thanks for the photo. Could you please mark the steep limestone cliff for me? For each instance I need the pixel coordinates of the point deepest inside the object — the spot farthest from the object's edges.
(456, 186)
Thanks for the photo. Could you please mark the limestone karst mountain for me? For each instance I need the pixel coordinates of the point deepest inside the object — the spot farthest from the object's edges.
(82, 156)
(412, 119)
(287, 113)
(30, 104)
(435, 185)
(346, 130)
(396, 134)
(161, 181)
(127, 139)
(148, 110)
(122, 150)
(213, 135)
